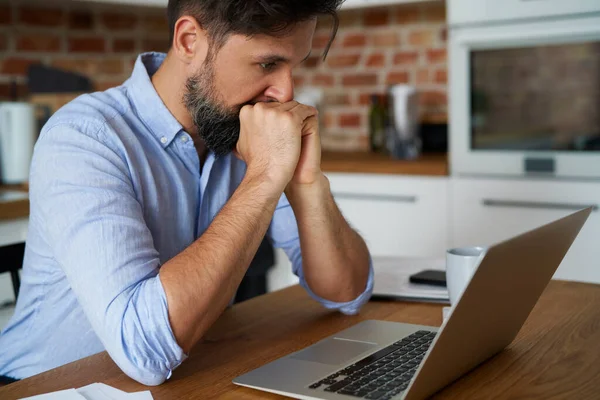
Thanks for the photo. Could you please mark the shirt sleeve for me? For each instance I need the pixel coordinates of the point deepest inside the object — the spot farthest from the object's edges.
(82, 191)
(283, 233)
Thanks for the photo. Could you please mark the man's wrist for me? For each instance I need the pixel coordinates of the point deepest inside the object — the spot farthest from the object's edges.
(263, 185)
(299, 194)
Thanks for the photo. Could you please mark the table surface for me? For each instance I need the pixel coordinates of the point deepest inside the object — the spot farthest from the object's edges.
(556, 354)
(373, 163)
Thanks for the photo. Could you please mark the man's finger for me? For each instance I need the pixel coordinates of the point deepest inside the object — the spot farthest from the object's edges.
(303, 112)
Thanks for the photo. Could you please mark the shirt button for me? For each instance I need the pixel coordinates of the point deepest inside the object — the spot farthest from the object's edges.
(163, 140)
(184, 139)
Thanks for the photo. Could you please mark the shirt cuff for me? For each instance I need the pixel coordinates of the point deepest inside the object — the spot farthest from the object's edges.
(351, 307)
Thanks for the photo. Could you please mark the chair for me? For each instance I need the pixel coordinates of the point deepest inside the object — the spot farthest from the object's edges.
(11, 260)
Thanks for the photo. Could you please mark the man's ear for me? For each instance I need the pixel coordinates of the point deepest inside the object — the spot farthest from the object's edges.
(189, 40)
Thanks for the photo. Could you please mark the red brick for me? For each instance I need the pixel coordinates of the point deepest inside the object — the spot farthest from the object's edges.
(376, 17)
(408, 15)
(406, 57)
(3, 41)
(342, 61)
(17, 66)
(82, 20)
(436, 56)
(385, 39)
(435, 13)
(329, 120)
(364, 99)
(421, 38)
(323, 80)
(350, 120)
(108, 67)
(376, 60)
(41, 16)
(6, 91)
(155, 24)
(360, 79)
(336, 99)
(5, 14)
(88, 44)
(320, 41)
(433, 99)
(351, 18)
(37, 42)
(398, 77)
(422, 76)
(119, 21)
(123, 45)
(299, 81)
(441, 76)
(355, 40)
(156, 44)
(311, 62)
(74, 65)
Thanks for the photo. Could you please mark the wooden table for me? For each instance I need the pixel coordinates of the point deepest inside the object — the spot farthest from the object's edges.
(372, 163)
(556, 355)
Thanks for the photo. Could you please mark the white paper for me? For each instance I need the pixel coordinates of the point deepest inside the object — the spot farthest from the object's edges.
(95, 392)
(392, 278)
(101, 391)
(69, 394)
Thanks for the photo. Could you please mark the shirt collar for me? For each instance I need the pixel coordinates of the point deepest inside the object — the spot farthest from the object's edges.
(148, 104)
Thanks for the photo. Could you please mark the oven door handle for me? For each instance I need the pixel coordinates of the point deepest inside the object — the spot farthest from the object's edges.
(376, 197)
(537, 205)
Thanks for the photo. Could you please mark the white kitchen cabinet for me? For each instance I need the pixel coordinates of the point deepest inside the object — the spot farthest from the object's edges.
(396, 215)
(486, 211)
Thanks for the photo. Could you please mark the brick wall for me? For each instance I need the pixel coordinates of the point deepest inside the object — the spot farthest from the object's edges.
(97, 40)
(374, 48)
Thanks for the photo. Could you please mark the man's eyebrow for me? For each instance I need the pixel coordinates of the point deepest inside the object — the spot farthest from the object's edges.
(276, 58)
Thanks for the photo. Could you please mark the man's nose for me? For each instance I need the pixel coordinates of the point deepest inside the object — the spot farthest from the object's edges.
(282, 87)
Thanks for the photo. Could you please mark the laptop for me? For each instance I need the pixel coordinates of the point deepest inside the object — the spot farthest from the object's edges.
(384, 360)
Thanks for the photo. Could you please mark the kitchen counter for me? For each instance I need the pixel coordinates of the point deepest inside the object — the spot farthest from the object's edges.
(372, 163)
(14, 202)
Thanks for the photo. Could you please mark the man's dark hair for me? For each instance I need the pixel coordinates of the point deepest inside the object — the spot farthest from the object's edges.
(221, 18)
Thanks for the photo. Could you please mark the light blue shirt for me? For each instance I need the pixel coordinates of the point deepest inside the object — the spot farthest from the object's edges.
(116, 191)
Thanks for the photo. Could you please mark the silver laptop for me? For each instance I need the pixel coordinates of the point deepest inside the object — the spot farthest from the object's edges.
(390, 360)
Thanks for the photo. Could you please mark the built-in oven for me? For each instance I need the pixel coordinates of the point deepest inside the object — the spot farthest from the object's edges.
(524, 87)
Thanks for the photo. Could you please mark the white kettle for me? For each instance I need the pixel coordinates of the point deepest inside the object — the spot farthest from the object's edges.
(18, 133)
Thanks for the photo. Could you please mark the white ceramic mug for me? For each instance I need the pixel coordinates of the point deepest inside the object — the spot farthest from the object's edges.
(461, 263)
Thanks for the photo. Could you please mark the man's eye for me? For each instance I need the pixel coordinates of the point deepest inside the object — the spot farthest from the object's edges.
(268, 66)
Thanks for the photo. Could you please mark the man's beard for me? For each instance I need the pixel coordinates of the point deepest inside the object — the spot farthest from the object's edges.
(218, 127)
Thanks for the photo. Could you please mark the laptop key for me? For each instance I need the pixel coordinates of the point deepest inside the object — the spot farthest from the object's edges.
(355, 393)
(376, 395)
(315, 385)
(337, 386)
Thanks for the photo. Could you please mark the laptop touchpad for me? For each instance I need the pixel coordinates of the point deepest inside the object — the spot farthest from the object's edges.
(334, 351)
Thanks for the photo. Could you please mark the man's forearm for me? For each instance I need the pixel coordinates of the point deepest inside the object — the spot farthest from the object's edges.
(335, 258)
(200, 282)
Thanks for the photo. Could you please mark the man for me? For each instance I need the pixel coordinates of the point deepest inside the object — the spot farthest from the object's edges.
(149, 200)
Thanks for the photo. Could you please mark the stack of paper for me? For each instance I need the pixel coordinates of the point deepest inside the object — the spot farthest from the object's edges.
(392, 279)
(95, 391)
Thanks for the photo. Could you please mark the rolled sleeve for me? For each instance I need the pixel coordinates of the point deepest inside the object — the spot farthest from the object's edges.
(82, 191)
(283, 233)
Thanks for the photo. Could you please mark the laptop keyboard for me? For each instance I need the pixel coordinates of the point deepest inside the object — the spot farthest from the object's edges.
(383, 374)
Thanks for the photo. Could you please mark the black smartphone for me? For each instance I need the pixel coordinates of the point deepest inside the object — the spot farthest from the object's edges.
(429, 277)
